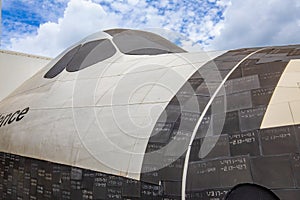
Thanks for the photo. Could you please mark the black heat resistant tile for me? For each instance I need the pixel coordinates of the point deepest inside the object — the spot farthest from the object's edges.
(242, 84)
(87, 194)
(150, 191)
(269, 79)
(225, 65)
(234, 171)
(188, 120)
(190, 86)
(237, 73)
(217, 194)
(114, 193)
(281, 50)
(212, 75)
(76, 173)
(272, 59)
(278, 140)
(294, 52)
(202, 175)
(219, 123)
(194, 154)
(171, 188)
(178, 143)
(33, 186)
(262, 96)
(251, 119)
(287, 194)
(173, 169)
(171, 113)
(150, 174)
(76, 185)
(227, 57)
(255, 69)
(115, 181)
(203, 129)
(295, 160)
(131, 188)
(297, 133)
(100, 184)
(231, 124)
(161, 132)
(217, 146)
(154, 146)
(65, 178)
(272, 172)
(218, 173)
(65, 194)
(87, 179)
(207, 89)
(244, 143)
(238, 101)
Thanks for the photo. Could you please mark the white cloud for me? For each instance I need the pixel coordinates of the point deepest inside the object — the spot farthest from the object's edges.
(80, 19)
(258, 23)
(83, 17)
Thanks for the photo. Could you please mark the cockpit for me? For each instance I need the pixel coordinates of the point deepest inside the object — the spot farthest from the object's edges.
(95, 49)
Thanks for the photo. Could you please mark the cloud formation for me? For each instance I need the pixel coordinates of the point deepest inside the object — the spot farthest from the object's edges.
(197, 20)
(251, 23)
(212, 24)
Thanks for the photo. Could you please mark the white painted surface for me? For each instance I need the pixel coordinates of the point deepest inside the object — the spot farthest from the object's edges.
(283, 109)
(15, 68)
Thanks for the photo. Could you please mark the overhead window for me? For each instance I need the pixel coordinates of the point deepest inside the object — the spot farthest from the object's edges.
(133, 42)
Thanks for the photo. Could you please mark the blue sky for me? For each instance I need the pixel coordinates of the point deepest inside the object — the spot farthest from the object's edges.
(46, 27)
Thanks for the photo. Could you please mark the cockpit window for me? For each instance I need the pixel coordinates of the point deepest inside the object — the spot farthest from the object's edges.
(62, 63)
(133, 42)
(91, 53)
(83, 56)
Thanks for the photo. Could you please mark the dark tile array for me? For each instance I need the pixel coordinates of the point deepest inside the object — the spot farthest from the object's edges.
(243, 153)
(26, 178)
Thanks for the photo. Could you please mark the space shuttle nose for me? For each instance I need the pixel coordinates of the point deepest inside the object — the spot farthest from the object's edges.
(110, 118)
